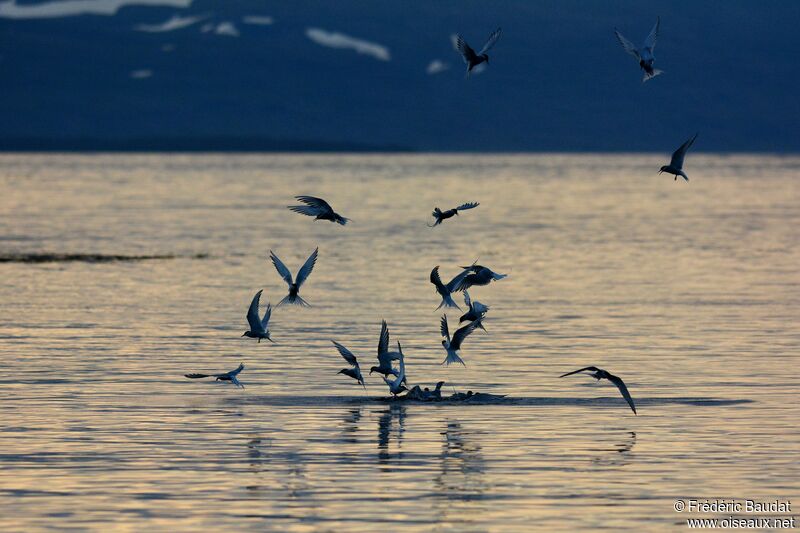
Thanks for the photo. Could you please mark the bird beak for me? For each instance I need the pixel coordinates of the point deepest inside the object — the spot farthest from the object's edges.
(244, 334)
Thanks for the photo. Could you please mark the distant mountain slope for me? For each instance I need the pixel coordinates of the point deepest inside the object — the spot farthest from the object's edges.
(353, 73)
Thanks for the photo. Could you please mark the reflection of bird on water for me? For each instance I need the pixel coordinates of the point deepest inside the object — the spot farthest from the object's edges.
(462, 464)
(385, 425)
(350, 425)
(622, 450)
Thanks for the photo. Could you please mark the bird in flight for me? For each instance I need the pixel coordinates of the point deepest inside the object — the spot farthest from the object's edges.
(355, 371)
(477, 275)
(643, 55)
(452, 346)
(676, 163)
(227, 376)
(385, 357)
(258, 326)
(472, 59)
(294, 286)
(476, 311)
(446, 290)
(396, 385)
(317, 208)
(599, 373)
(440, 215)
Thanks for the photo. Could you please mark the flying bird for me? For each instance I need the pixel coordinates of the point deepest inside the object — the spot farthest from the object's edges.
(472, 59)
(599, 373)
(385, 357)
(396, 385)
(445, 290)
(317, 208)
(476, 311)
(676, 163)
(452, 346)
(294, 286)
(258, 327)
(355, 371)
(227, 376)
(477, 275)
(440, 215)
(643, 55)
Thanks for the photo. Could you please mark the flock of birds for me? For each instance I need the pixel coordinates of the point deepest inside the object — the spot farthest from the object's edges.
(472, 275)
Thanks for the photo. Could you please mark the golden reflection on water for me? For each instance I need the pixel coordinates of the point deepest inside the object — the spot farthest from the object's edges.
(690, 292)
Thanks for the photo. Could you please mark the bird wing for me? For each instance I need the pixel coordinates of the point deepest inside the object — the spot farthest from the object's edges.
(281, 268)
(236, 382)
(196, 376)
(650, 41)
(313, 201)
(306, 210)
(592, 368)
(435, 278)
(623, 389)
(462, 333)
(402, 375)
(443, 328)
(383, 342)
(252, 313)
(307, 267)
(347, 354)
(479, 307)
(467, 300)
(267, 315)
(455, 283)
(680, 154)
(234, 373)
(464, 49)
(490, 42)
(468, 205)
(627, 45)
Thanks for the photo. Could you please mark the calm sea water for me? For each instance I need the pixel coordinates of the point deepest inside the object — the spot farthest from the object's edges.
(690, 292)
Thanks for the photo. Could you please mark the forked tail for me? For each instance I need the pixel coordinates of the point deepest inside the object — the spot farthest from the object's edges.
(293, 299)
(447, 301)
(452, 357)
(650, 75)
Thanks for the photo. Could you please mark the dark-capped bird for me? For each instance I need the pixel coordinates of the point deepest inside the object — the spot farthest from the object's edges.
(644, 54)
(472, 59)
(227, 376)
(446, 290)
(599, 373)
(676, 163)
(477, 275)
(397, 385)
(440, 215)
(317, 208)
(355, 371)
(452, 346)
(294, 286)
(258, 326)
(385, 357)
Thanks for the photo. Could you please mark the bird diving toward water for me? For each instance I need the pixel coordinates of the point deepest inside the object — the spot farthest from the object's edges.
(643, 55)
(396, 385)
(676, 163)
(477, 275)
(227, 376)
(472, 59)
(440, 215)
(599, 373)
(385, 357)
(452, 346)
(258, 326)
(446, 290)
(317, 208)
(348, 356)
(476, 311)
(294, 286)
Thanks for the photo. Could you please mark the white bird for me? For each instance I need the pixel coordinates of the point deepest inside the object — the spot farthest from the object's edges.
(643, 55)
(472, 59)
(227, 376)
(599, 373)
(294, 286)
(476, 311)
(452, 346)
(676, 163)
(317, 208)
(258, 327)
(396, 385)
(348, 356)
